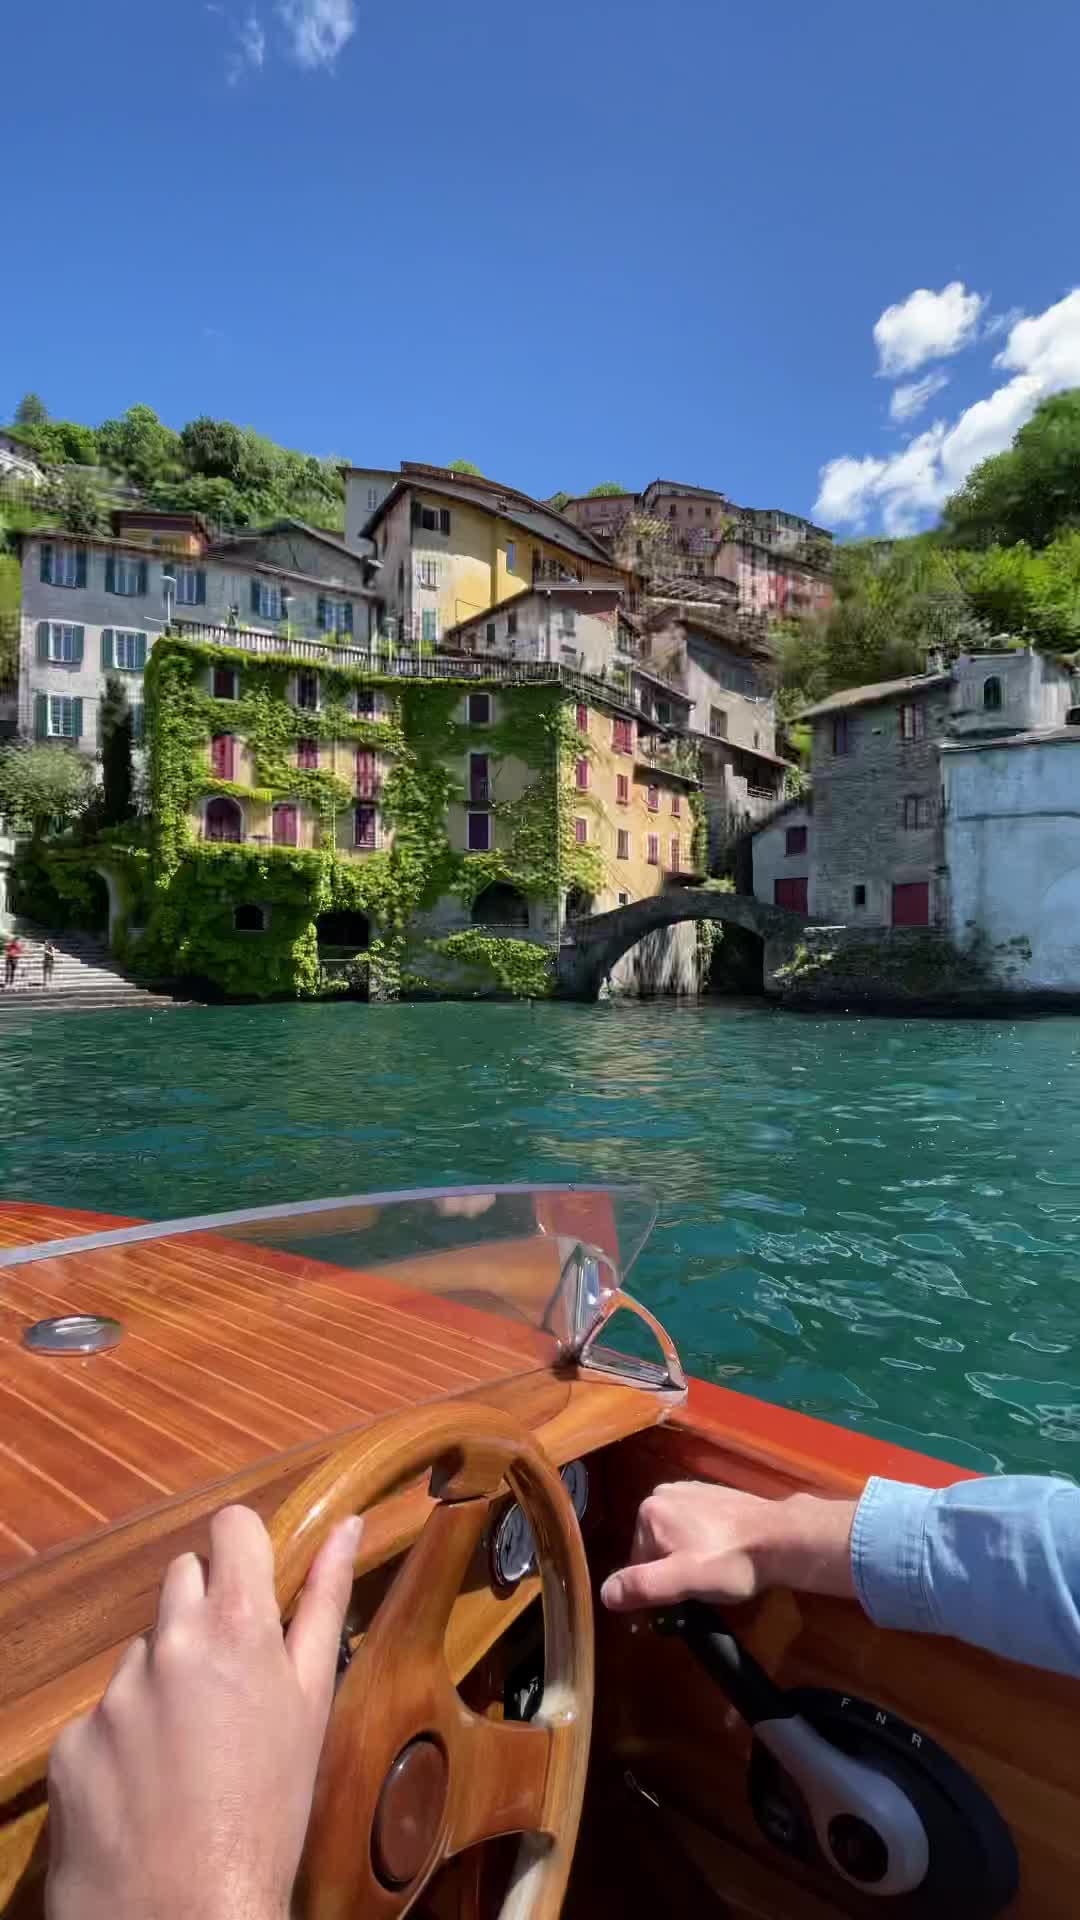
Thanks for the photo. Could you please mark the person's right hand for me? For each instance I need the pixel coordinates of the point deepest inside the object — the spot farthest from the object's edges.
(694, 1540)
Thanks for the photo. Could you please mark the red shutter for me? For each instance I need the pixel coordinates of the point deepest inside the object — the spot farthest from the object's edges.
(674, 856)
(366, 779)
(791, 894)
(582, 774)
(581, 831)
(583, 719)
(654, 849)
(222, 757)
(622, 844)
(622, 789)
(307, 754)
(654, 800)
(911, 904)
(285, 825)
(676, 804)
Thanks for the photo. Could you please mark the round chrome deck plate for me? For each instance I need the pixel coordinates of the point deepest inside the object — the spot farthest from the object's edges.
(73, 1333)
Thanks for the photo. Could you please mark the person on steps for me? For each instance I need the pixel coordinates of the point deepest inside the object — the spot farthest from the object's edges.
(48, 964)
(12, 955)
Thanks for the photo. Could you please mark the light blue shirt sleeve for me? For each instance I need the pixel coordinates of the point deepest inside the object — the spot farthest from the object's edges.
(995, 1562)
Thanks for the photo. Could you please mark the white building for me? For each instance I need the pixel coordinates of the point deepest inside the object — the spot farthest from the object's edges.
(90, 607)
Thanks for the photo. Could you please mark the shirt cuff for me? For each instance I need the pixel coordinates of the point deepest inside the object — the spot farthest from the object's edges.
(888, 1555)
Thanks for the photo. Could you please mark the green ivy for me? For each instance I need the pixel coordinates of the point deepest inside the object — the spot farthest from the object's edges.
(519, 967)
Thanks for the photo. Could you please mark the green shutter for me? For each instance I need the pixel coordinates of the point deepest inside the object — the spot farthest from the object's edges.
(110, 573)
(106, 647)
(140, 652)
(42, 641)
(80, 637)
(348, 616)
(41, 716)
(80, 567)
(200, 588)
(144, 577)
(255, 602)
(46, 562)
(76, 719)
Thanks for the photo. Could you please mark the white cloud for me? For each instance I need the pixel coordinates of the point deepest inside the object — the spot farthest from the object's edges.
(926, 326)
(907, 401)
(250, 50)
(318, 29)
(1042, 352)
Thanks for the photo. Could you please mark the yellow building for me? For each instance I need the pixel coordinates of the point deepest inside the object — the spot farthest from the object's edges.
(450, 547)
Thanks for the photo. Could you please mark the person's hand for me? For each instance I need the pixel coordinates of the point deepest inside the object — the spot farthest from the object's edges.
(186, 1794)
(695, 1541)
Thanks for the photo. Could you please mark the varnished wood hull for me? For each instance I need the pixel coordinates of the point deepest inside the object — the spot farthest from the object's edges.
(65, 1614)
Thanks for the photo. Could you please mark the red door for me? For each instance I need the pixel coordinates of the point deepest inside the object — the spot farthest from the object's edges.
(911, 904)
(791, 894)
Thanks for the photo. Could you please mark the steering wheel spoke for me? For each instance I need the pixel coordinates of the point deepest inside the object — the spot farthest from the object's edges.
(501, 1769)
(415, 1611)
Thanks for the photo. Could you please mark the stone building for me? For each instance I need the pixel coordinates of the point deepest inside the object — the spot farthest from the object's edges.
(876, 844)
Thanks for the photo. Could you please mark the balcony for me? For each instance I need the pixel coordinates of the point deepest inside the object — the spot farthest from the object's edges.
(681, 757)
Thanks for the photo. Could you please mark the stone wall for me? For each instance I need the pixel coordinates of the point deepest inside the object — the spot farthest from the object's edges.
(884, 969)
(858, 837)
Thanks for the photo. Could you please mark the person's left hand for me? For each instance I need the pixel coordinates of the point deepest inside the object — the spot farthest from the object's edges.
(186, 1794)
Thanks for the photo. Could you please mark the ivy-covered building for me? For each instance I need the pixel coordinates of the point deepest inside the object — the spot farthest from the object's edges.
(441, 819)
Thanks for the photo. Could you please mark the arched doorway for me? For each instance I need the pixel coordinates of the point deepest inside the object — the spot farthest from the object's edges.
(344, 931)
(223, 819)
(500, 905)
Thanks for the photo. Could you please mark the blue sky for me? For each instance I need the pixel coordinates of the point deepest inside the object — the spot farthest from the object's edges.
(571, 242)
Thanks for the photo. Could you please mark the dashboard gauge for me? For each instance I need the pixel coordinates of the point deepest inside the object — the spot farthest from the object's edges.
(513, 1550)
(575, 1478)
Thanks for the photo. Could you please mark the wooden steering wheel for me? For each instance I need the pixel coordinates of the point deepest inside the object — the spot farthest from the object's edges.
(409, 1776)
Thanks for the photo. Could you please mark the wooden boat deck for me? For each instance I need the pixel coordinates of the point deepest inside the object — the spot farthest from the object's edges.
(231, 1354)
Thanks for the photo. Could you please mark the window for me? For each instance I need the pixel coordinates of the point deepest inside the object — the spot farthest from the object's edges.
(401, 578)
(223, 820)
(265, 600)
(624, 899)
(581, 775)
(992, 694)
(652, 799)
(123, 649)
(63, 566)
(511, 625)
(511, 555)
(582, 719)
(912, 721)
(223, 756)
(652, 849)
(918, 810)
(858, 896)
(718, 723)
(367, 773)
(622, 736)
(622, 789)
(372, 499)
(568, 622)
(64, 717)
(489, 633)
(840, 733)
(430, 519)
(479, 832)
(365, 703)
(307, 755)
(190, 586)
(581, 830)
(676, 805)
(675, 857)
(125, 575)
(672, 511)
(223, 683)
(286, 824)
(333, 616)
(479, 780)
(59, 644)
(249, 919)
(429, 573)
(364, 828)
(429, 626)
(795, 840)
(479, 709)
(307, 690)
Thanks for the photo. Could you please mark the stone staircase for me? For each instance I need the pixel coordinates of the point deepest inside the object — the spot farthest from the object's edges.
(85, 979)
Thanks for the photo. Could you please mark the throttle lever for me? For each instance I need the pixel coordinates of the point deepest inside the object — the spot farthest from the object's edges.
(867, 1827)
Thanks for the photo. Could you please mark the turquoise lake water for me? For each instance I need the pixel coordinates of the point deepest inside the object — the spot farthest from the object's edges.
(876, 1221)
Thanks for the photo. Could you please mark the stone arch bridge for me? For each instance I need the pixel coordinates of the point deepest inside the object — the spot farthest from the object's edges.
(597, 944)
